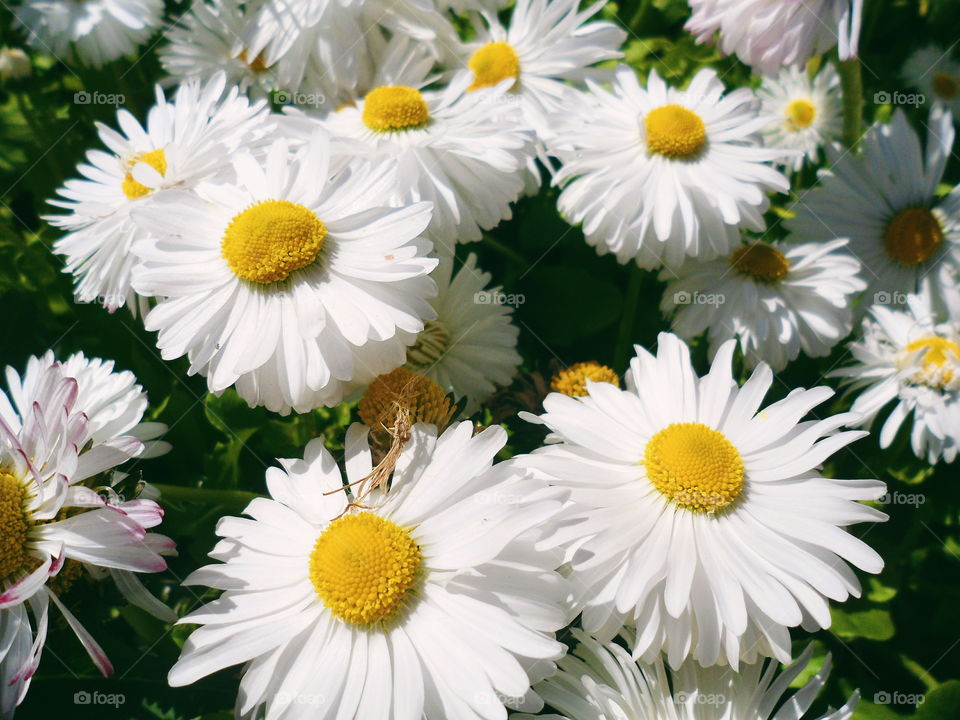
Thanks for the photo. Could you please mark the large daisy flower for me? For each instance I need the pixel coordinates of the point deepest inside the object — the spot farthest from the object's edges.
(185, 140)
(603, 681)
(910, 359)
(657, 174)
(769, 34)
(699, 519)
(426, 601)
(776, 299)
(93, 31)
(884, 200)
(470, 348)
(289, 281)
(937, 74)
(806, 112)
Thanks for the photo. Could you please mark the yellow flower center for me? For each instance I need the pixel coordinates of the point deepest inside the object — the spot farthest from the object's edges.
(431, 344)
(156, 159)
(395, 107)
(14, 524)
(945, 85)
(403, 391)
(271, 239)
(913, 236)
(492, 63)
(674, 131)
(364, 567)
(760, 261)
(695, 467)
(572, 381)
(257, 65)
(939, 357)
(800, 114)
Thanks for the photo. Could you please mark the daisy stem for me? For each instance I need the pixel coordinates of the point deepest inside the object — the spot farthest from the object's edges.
(505, 250)
(851, 85)
(628, 320)
(208, 496)
(640, 15)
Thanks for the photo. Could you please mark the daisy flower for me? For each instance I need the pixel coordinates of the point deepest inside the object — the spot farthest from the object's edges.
(910, 359)
(698, 520)
(808, 112)
(424, 601)
(776, 299)
(289, 281)
(603, 681)
(93, 31)
(573, 380)
(470, 348)
(658, 174)
(768, 34)
(185, 140)
(883, 200)
(937, 74)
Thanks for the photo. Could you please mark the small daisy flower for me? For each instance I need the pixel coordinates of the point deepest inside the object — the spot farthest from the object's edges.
(937, 75)
(807, 112)
(883, 200)
(185, 140)
(776, 299)
(658, 174)
(290, 281)
(93, 31)
(603, 681)
(424, 601)
(573, 380)
(768, 34)
(698, 520)
(909, 359)
(470, 348)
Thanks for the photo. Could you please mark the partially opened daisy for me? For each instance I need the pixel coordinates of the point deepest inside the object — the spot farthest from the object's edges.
(93, 31)
(603, 681)
(806, 112)
(289, 281)
(884, 201)
(934, 71)
(427, 601)
(185, 140)
(658, 174)
(696, 518)
(910, 359)
(769, 34)
(470, 348)
(775, 298)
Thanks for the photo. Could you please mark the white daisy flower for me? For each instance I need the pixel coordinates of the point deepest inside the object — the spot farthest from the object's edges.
(603, 681)
(290, 281)
(470, 348)
(937, 74)
(883, 200)
(185, 140)
(910, 359)
(659, 174)
(426, 601)
(464, 153)
(776, 299)
(768, 34)
(807, 112)
(93, 31)
(696, 518)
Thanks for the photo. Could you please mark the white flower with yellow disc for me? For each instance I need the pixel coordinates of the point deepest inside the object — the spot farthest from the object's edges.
(698, 520)
(937, 74)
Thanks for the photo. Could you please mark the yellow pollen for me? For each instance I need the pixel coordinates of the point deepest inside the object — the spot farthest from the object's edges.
(395, 107)
(674, 131)
(937, 352)
(572, 381)
(913, 236)
(14, 524)
(945, 85)
(401, 390)
(364, 567)
(800, 114)
(432, 343)
(271, 239)
(760, 261)
(695, 467)
(257, 65)
(492, 63)
(156, 159)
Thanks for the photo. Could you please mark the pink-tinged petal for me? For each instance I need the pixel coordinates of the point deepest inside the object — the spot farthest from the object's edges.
(107, 455)
(93, 649)
(146, 513)
(27, 586)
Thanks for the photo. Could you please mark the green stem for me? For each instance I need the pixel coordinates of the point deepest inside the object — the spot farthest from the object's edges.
(504, 250)
(640, 15)
(207, 496)
(628, 320)
(851, 85)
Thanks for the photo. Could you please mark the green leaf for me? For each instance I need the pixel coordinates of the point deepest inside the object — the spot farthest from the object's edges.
(942, 703)
(867, 624)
